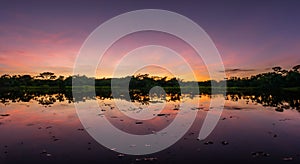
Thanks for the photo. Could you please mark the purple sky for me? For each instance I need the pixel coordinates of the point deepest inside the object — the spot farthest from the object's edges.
(251, 36)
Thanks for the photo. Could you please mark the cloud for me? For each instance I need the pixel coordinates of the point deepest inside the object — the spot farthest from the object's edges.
(236, 70)
(2, 65)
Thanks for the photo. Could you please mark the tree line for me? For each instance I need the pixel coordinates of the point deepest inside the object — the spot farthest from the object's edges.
(278, 78)
(49, 79)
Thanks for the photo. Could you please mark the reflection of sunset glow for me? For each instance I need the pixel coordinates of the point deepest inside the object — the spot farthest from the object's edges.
(57, 129)
(35, 114)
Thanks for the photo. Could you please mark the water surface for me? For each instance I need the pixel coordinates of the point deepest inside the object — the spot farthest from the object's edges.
(45, 128)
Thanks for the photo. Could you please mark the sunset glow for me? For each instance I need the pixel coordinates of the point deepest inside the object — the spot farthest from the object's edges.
(39, 37)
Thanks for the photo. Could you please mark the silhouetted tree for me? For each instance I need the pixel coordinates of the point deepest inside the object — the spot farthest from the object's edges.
(296, 68)
(47, 75)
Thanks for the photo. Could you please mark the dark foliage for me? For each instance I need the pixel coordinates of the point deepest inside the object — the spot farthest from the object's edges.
(278, 78)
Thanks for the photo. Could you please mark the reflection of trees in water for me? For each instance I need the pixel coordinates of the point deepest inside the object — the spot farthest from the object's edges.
(279, 98)
(43, 97)
(15, 96)
(47, 100)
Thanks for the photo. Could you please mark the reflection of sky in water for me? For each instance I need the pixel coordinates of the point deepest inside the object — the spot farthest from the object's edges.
(34, 133)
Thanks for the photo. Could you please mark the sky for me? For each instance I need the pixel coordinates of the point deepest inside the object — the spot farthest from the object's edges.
(251, 36)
